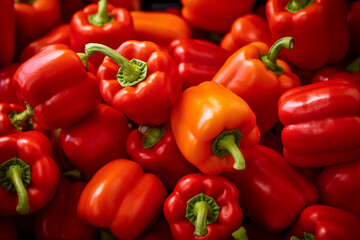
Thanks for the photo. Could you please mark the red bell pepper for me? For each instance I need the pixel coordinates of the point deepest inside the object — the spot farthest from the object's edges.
(195, 66)
(123, 198)
(95, 140)
(276, 193)
(161, 231)
(322, 123)
(319, 28)
(214, 16)
(8, 229)
(256, 75)
(323, 222)
(59, 219)
(7, 28)
(339, 186)
(245, 30)
(155, 149)
(100, 23)
(58, 34)
(145, 88)
(354, 21)
(7, 92)
(29, 175)
(56, 84)
(203, 207)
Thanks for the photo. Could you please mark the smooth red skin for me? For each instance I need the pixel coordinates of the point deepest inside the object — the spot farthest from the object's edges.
(7, 28)
(321, 31)
(123, 198)
(198, 60)
(332, 72)
(95, 140)
(56, 84)
(164, 159)
(354, 21)
(330, 107)
(326, 223)
(34, 148)
(58, 34)
(34, 21)
(220, 189)
(59, 219)
(112, 34)
(244, 30)
(339, 186)
(8, 228)
(150, 101)
(276, 193)
(7, 92)
(161, 231)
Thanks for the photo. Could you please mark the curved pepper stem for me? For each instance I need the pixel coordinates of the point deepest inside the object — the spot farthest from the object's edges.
(297, 5)
(270, 59)
(151, 136)
(15, 175)
(20, 119)
(240, 234)
(84, 60)
(354, 66)
(130, 72)
(305, 236)
(102, 16)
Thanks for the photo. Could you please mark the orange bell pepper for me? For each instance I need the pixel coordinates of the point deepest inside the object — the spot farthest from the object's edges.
(213, 128)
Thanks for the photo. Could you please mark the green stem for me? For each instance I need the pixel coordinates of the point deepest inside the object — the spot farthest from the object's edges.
(73, 174)
(202, 211)
(105, 234)
(304, 236)
(240, 234)
(102, 16)
(130, 72)
(151, 136)
(297, 5)
(25, 1)
(19, 119)
(354, 66)
(84, 60)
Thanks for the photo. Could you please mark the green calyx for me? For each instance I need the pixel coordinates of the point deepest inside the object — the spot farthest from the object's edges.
(15, 175)
(22, 120)
(130, 72)
(294, 6)
(151, 136)
(102, 16)
(353, 67)
(202, 210)
(25, 2)
(226, 143)
(84, 60)
(240, 234)
(305, 236)
(270, 59)
(106, 234)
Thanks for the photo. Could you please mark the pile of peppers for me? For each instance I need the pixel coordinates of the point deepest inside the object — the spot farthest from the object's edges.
(180, 119)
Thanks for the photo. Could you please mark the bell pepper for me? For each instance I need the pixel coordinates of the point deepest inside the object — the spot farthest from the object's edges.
(161, 231)
(319, 28)
(145, 88)
(58, 34)
(214, 16)
(59, 219)
(7, 28)
(256, 75)
(29, 175)
(276, 192)
(195, 66)
(213, 128)
(155, 149)
(56, 84)
(122, 198)
(159, 27)
(33, 19)
(322, 222)
(321, 123)
(7, 92)
(100, 23)
(245, 30)
(8, 228)
(339, 186)
(95, 140)
(354, 21)
(203, 207)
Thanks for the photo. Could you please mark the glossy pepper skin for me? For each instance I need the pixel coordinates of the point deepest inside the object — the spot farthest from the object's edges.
(148, 96)
(245, 30)
(272, 202)
(155, 149)
(322, 222)
(339, 186)
(320, 30)
(59, 219)
(203, 207)
(250, 74)
(106, 128)
(200, 13)
(330, 107)
(7, 28)
(194, 66)
(56, 84)
(123, 198)
(7, 91)
(209, 122)
(26, 157)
